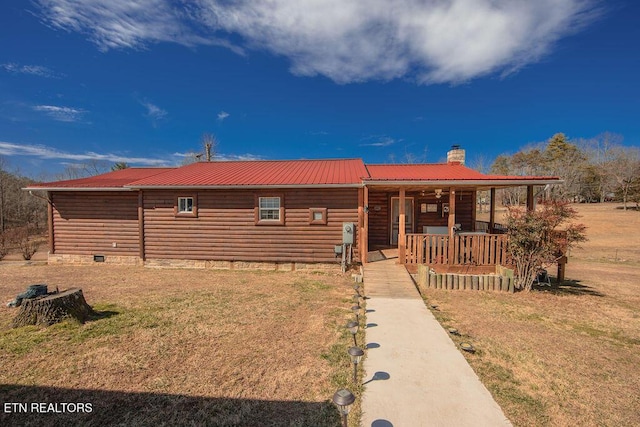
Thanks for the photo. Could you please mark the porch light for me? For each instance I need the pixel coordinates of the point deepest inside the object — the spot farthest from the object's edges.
(438, 193)
(353, 328)
(356, 354)
(356, 311)
(343, 399)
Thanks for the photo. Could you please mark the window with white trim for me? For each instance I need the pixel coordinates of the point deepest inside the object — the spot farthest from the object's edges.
(269, 209)
(185, 205)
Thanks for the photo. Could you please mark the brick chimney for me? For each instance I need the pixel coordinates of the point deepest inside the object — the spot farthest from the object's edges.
(456, 155)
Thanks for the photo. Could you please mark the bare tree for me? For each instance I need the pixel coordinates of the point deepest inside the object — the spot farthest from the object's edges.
(210, 144)
(119, 166)
(625, 168)
(4, 180)
(481, 163)
(18, 208)
(600, 152)
(512, 196)
(83, 170)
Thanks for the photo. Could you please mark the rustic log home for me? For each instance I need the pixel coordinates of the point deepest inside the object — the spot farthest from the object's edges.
(277, 214)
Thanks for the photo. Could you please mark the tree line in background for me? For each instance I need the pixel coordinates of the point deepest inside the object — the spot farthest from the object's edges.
(22, 216)
(594, 170)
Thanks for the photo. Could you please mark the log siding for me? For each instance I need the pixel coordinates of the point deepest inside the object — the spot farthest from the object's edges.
(226, 229)
(90, 223)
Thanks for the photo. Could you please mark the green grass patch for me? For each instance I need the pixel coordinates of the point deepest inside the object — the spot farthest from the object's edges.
(21, 341)
(109, 320)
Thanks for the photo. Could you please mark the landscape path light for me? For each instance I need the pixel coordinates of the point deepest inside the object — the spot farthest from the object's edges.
(356, 288)
(356, 354)
(343, 399)
(353, 328)
(356, 311)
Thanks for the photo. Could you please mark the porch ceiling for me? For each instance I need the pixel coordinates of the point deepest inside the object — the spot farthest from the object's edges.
(410, 188)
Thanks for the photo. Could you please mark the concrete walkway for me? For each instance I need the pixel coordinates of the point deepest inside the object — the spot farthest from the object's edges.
(414, 374)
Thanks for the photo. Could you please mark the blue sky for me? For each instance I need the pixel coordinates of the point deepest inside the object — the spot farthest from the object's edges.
(291, 79)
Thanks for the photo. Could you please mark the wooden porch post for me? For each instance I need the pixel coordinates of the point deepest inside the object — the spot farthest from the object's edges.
(451, 222)
(530, 206)
(401, 228)
(474, 210)
(365, 228)
(492, 210)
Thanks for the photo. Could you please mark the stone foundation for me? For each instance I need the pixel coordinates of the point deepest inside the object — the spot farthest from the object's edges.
(68, 259)
(56, 259)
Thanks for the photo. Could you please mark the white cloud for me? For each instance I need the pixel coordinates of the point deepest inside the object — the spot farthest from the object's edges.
(44, 152)
(154, 112)
(116, 24)
(34, 70)
(239, 157)
(431, 41)
(378, 141)
(224, 157)
(61, 114)
(223, 115)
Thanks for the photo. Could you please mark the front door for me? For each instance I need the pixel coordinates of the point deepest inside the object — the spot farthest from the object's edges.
(395, 218)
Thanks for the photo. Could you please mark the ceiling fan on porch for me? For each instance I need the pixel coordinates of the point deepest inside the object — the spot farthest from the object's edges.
(438, 192)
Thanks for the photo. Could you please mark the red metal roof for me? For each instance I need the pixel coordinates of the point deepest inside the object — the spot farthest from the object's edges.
(115, 179)
(275, 173)
(260, 173)
(436, 172)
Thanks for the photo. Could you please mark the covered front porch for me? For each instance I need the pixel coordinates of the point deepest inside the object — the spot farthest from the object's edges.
(429, 212)
(436, 225)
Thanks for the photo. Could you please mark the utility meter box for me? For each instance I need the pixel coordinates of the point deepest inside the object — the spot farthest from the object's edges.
(348, 231)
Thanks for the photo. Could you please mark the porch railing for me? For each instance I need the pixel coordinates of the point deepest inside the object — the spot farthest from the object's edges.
(472, 249)
(485, 226)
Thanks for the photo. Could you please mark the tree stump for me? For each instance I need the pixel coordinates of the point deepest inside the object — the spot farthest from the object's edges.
(53, 309)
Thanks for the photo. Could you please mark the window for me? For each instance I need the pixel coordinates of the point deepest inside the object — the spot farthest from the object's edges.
(186, 206)
(269, 210)
(318, 216)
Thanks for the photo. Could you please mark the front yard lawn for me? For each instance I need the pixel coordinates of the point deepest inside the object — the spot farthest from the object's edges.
(179, 347)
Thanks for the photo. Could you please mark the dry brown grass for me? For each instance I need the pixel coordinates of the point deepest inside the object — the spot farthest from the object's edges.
(568, 355)
(181, 347)
(614, 234)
